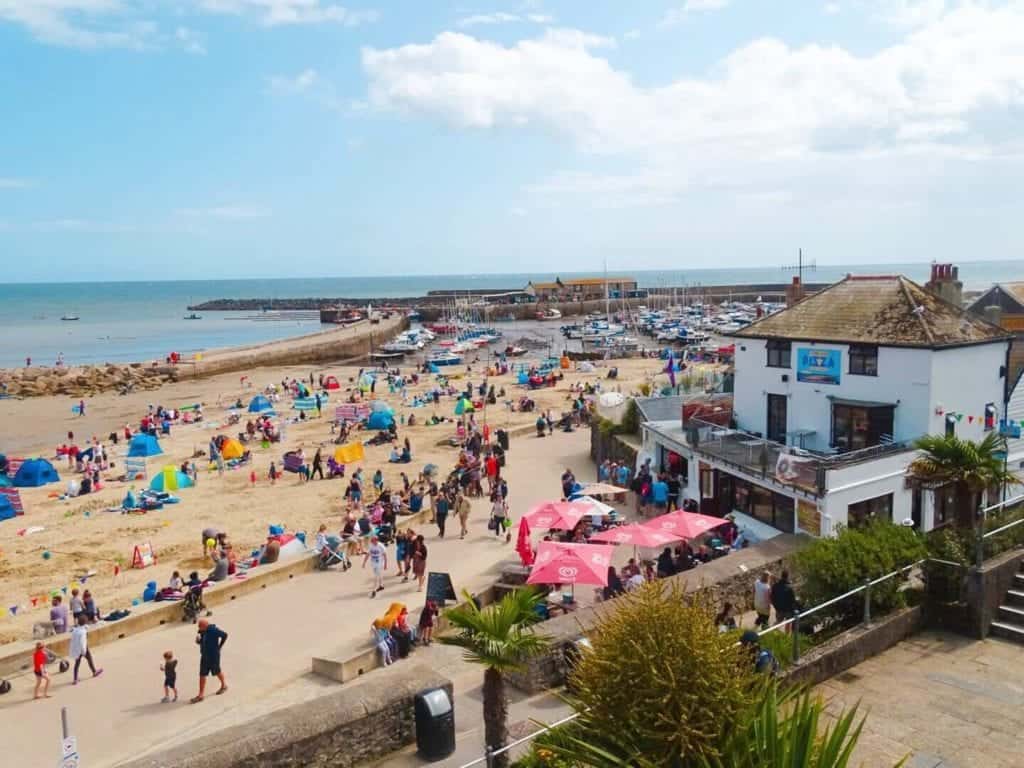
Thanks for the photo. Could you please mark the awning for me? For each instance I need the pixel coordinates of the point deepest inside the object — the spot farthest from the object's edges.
(859, 403)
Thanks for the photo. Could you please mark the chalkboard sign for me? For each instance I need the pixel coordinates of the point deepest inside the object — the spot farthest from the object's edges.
(439, 587)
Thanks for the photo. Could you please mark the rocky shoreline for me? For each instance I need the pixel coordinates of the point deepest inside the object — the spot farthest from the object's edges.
(85, 380)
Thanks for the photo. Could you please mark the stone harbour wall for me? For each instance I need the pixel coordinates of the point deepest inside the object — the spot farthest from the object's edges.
(356, 724)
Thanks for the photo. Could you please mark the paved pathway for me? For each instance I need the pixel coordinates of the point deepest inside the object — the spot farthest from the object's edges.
(944, 700)
(272, 638)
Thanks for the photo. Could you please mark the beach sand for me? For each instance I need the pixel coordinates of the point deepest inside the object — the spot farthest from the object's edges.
(81, 537)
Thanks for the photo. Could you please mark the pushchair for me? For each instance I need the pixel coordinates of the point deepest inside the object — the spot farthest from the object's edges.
(333, 554)
(385, 533)
(192, 606)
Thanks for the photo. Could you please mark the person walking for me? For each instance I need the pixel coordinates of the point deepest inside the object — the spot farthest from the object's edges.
(210, 640)
(81, 408)
(784, 600)
(419, 561)
(463, 507)
(79, 648)
(170, 670)
(499, 511)
(318, 465)
(763, 600)
(377, 556)
(39, 660)
(441, 513)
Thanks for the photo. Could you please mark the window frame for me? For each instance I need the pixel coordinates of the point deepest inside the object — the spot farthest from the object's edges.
(782, 351)
(862, 354)
(870, 509)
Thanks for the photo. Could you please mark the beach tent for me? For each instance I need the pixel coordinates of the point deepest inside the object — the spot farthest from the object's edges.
(6, 509)
(144, 445)
(5, 481)
(170, 479)
(379, 406)
(380, 420)
(331, 382)
(464, 406)
(35, 472)
(259, 404)
(231, 449)
(308, 403)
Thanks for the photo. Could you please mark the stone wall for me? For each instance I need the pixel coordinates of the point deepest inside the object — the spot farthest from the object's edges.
(729, 578)
(612, 447)
(358, 723)
(854, 646)
(986, 590)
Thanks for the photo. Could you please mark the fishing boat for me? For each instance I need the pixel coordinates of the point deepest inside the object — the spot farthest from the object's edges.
(549, 314)
(68, 317)
(193, 316)
(386, 355)
(514, 351)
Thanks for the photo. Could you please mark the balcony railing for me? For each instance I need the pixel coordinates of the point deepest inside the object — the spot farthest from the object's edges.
(798, 468)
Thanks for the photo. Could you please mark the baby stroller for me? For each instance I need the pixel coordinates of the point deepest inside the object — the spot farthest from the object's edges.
(333, 554)
(385, 533)
(192, 606)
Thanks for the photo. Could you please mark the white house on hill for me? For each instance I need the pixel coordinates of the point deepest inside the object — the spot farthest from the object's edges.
(829, 396)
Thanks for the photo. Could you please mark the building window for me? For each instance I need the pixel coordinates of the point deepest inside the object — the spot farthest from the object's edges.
(990, 417)
(769, 507)
(861, 426)
(778, 354)
(863, 512)
(863, 360)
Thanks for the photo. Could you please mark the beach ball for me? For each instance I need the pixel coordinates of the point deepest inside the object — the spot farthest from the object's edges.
(210, 543)
(135, 601)
(46, 555)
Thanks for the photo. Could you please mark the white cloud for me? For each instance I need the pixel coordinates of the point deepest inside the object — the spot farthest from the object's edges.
(678, 15)
(190, 41)
(296, 84)
(81, 23)
(272, 13)
(226, 212)
(912, 13)
(766, 115)
(9, 182)
(502, 17)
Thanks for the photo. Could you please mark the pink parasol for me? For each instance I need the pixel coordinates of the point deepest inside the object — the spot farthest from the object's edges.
(687, 525)
(523, 548)
(560, 515)
(559, 563)
(637, 535)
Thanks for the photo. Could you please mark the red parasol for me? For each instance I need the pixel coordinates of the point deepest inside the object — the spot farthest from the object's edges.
(687, 525)
(523, 547)
(559, 563)
(561, 515)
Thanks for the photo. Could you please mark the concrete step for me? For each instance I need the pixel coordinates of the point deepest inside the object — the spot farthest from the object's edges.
(1013, 614)
(1008, 631)
(1018, 580)
(1015, 597)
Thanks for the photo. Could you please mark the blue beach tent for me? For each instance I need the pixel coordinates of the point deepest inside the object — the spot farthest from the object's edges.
(380, 420)
(144, 445)
(259, 404)
(6, 510)
(35, 472)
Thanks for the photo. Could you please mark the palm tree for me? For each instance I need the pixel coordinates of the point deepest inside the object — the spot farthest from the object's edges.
(971, 467)
(500, 638)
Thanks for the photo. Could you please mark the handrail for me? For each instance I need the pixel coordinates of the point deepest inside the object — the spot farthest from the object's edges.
(1002, 528)
(998, 504)
(795, 620)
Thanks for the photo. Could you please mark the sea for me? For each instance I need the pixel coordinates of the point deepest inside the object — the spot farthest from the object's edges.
(137, 321)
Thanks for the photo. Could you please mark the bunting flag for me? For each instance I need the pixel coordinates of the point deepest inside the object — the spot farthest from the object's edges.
(959, 417)
(14, 610)
(970, 419)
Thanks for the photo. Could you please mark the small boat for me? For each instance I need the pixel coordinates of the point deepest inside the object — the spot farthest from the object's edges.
(68, 317)
(193, 316)
(387, 355)
(549, 314)
(515, 351)
(444, 358)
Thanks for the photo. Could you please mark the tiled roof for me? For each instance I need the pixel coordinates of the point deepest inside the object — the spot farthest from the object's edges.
(887, 310)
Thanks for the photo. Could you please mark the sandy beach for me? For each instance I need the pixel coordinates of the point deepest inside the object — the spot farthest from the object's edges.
(82, 537)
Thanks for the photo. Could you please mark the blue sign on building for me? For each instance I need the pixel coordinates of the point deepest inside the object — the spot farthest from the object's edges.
(818, 366)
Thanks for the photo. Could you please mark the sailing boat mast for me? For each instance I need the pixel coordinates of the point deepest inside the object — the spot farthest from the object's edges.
(607, 310)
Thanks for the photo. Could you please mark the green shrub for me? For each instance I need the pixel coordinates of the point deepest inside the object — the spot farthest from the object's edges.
(829, 567)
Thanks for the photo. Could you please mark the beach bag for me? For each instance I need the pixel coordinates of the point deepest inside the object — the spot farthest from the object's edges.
(492, 524)
(506, 523)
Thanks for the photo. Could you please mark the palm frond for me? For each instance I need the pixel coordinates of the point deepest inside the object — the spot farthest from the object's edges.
(499, 636)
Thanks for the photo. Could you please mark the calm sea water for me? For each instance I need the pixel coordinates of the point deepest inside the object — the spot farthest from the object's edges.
(127, 321)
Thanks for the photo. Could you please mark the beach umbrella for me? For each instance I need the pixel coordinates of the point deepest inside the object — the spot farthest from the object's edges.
(560, 515)
(561, 563)
(523, 548)
(688, 525)
(637, 535)
(596, 507)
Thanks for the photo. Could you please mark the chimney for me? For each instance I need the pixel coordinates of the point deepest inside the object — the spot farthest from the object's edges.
(945, 283)
(794, 292)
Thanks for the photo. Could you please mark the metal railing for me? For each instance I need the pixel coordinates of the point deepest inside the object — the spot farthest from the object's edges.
(980, 555)
(865, 589)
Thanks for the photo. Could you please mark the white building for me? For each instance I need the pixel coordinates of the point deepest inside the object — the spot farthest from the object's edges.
(830, 395)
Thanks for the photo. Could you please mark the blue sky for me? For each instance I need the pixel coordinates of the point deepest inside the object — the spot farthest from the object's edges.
(227, 138)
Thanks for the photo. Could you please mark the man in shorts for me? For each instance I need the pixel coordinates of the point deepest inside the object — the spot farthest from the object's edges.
(377, 556)
(210, 640)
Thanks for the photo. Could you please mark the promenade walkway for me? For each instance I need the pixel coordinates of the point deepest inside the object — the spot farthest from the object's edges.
(273, 636)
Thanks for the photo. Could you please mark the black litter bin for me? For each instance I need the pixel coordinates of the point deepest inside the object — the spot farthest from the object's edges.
(503, 439)
(435, 724)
